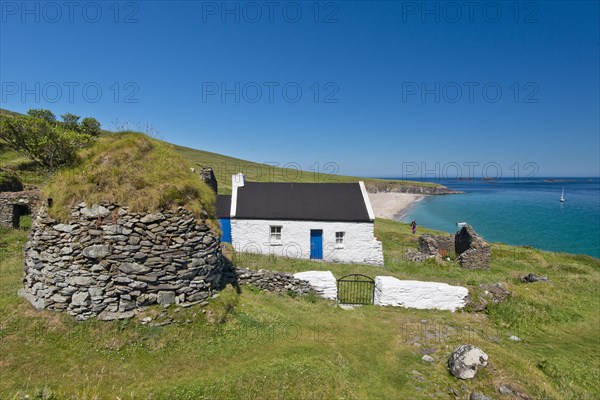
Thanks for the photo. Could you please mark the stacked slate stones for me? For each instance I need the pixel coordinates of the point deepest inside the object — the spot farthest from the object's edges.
(278, 282)
(107, 261)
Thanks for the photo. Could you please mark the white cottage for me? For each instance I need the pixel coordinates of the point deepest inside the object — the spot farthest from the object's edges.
(329, 221)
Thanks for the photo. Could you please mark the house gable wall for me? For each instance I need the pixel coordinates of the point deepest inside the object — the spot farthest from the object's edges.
(360, 245)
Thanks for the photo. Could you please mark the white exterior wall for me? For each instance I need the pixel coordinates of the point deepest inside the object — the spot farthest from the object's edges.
(390, 291)
(360, 245)
(323, 282)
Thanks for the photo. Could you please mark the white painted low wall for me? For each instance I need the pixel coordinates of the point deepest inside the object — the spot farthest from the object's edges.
(390, 291)
(323, 282)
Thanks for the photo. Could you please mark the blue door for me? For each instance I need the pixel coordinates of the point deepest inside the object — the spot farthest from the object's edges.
(316, 244)
(225, 230)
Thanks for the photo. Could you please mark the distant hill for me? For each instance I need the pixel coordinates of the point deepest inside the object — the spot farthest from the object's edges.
(225, 166)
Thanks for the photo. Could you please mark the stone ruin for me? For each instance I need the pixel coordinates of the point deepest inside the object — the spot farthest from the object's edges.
(15, 204)
(436, 245)
(208, 176)
(107, 261)
(473, 252)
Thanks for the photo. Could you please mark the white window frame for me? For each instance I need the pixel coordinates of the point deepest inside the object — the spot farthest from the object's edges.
(274, 236)
(340, 239)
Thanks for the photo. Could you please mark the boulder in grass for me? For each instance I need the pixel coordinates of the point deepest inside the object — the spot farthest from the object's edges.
(478, 396)
(530, 278)
(466, 360)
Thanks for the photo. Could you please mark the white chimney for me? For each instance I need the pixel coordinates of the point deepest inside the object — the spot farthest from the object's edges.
(238, 180)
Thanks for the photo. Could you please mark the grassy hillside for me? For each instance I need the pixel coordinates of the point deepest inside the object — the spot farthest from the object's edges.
(255, 345)
(223, 166)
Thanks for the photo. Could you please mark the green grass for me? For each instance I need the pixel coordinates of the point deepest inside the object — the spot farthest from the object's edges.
(130, 169)
(225, 166)
(257, 345)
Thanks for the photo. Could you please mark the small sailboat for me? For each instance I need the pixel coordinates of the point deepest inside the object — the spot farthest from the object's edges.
(562, 196)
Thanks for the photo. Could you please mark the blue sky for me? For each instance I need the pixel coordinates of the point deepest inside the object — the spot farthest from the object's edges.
(387, 88)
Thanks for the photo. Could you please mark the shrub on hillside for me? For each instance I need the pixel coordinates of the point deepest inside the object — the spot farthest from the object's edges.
(49, 144)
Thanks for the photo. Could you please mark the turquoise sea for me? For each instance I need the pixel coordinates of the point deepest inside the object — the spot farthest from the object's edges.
(520, 212)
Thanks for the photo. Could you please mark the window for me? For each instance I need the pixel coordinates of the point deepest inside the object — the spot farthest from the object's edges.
(339, 237)
(275, 234)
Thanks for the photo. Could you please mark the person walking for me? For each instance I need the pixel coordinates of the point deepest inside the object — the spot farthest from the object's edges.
(414, 227)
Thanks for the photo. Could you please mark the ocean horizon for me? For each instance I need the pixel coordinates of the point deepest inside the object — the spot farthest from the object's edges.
(521, 212)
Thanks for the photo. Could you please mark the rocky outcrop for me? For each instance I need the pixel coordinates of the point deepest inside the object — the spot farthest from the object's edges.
(473, 252)
(106, 261)
(278, 282)
(487, 294)
(466, 360)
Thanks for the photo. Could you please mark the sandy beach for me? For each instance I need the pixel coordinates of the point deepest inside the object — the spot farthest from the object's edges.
(392, 205)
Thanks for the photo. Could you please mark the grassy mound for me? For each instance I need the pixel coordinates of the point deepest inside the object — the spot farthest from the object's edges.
(133, 170)
(9, 182)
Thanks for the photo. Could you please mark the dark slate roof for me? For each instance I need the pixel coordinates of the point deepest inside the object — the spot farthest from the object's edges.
(223, 206)
(302, 201)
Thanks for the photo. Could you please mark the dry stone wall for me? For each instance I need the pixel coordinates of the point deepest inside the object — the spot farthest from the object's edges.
(107, 262)
(15, 204)
(278, 282)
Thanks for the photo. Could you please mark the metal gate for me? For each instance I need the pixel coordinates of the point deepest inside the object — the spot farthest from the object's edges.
(355, 289)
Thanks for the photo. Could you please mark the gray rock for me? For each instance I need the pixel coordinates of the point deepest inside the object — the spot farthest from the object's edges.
(95, 211)
(96, 291)
(80, 299)
(478, 396)
(488, 294)
(79, 280)
(96, 251)
(427, 358)
(530, 278)
(58, 298)
(64, 228)
(111, 316)
(133, 268)
(166, 297)
(38, 303)
(66, 251)
(465, 360)
(147, 278)
(514, 338)
(149, 218)
(505, 390)
(112, 229)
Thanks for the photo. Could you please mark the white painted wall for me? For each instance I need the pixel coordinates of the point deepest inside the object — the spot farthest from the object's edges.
(323, 282)
(390, 291)
(360, 245)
